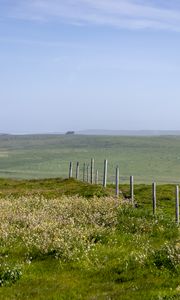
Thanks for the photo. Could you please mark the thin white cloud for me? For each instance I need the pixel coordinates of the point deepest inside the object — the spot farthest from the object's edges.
(132, 14)
(29, 42)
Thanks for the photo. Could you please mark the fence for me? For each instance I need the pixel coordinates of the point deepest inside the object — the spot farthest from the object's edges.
(91, 175)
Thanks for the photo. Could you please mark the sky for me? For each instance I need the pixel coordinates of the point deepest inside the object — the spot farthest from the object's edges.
(89, 64)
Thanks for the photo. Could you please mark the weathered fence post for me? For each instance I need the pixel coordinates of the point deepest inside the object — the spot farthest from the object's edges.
(132, 189)
(92, 170)
(97, 175)
(87, 173)
(117, 181)
(84, 171)
(105, 173)
(70, 169)
(77, 171)
(154, 197)
(177, 205)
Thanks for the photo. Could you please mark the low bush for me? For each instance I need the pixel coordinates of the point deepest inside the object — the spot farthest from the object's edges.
(168, 256)
(9, 274)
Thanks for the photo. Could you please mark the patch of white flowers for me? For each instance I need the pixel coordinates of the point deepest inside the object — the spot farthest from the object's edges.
(67, 227)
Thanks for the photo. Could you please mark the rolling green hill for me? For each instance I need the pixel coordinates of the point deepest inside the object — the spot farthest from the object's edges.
(42, 156)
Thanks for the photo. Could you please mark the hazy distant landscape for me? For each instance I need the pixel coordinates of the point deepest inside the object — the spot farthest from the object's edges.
(111, 132)
(130, 132)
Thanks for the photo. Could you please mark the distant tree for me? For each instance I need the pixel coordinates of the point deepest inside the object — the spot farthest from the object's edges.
(70, 132)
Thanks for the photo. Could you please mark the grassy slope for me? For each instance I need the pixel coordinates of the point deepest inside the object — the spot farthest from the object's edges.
(52, 187)
(147, 158)
(55, 187)
(114, 269)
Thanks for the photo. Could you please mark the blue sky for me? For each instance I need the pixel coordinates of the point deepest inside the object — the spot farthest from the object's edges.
(89, 64)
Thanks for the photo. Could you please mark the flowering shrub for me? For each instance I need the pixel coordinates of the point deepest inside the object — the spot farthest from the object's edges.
(65, 227)
(167, 257)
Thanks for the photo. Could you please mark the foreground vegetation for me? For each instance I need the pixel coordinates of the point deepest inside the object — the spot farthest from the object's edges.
(58, 242)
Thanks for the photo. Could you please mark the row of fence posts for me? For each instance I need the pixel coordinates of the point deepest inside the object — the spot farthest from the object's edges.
(176, 201)
(89, 177)
(92, 176)
(88, 172)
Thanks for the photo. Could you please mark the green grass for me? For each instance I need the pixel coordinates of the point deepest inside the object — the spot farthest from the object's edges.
(138, 259)
(56, 187)
(48, 280)
(143, 197)
(111, 272)
(44, 156)
(51, 187)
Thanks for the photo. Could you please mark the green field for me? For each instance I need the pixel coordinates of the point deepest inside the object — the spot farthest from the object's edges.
(58, 241)
(67, 239)
(44, 156)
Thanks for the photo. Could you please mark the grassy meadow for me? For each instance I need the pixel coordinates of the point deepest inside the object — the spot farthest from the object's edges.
(44, 156)
(67, 239)
(64, 239)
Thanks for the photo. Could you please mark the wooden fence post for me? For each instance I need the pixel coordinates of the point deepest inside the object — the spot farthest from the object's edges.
(97, 175)
(154, 197)
(87, 173)
(105, 173)
(177, 205)
(117, 181)
(84, 171)
(92, 171)
(132, 189)
(70, 169)
(77, 171)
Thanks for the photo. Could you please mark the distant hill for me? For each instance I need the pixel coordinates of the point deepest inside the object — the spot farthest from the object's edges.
(103, 132)
(4, 134)
(129, 132)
